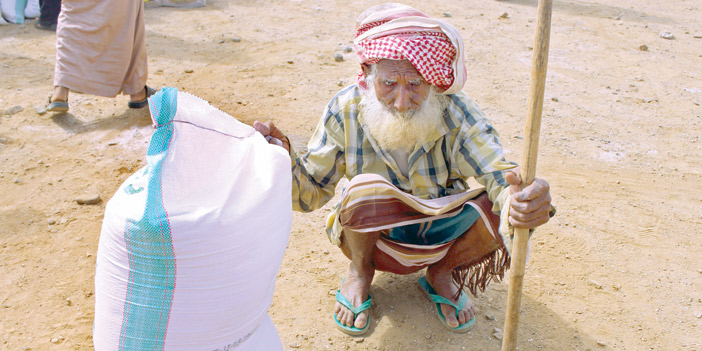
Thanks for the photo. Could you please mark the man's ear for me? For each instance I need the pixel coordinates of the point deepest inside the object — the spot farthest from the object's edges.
(362, 81)
(366, 69)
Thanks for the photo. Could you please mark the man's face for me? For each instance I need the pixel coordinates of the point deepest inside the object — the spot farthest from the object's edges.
(400, 108)
(399, 85)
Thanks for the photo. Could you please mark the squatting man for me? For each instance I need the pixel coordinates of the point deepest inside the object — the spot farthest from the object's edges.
(408, 139)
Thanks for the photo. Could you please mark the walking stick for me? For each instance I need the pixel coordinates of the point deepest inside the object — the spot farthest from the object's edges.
(531, 143)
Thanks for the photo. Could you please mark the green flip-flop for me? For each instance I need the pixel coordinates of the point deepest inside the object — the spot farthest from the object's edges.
(352, 330)
(437, 299)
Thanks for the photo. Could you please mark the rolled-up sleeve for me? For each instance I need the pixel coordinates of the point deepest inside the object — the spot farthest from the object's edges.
(480, 156)
(316, 173)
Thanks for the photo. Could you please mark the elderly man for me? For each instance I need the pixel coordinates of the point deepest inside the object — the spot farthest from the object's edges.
(408, 139)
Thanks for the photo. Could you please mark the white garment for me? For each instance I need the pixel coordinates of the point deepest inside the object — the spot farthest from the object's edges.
(100, 47)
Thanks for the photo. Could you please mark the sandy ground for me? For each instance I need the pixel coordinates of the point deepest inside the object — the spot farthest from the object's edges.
(619, 268)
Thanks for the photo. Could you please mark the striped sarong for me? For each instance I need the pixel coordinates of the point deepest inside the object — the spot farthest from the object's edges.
(370, 203)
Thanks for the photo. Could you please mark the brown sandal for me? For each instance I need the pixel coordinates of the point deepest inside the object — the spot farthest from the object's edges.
(56, 106)
(141, 103)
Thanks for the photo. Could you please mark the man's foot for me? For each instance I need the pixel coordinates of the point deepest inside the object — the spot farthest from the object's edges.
(58, 100)
(355, 288)
(60, 94)
(44, 26)
(141, 95)
(139, 99)
(443, 284)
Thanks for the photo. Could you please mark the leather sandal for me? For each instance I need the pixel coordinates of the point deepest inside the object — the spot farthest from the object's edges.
(56, 106)
(141, 103)
(47, 27)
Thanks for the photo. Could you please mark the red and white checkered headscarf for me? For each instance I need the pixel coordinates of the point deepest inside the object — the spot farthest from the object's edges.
(399, 32)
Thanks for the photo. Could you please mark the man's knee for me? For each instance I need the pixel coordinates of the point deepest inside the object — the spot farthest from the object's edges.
(381, 260)
(384, 262)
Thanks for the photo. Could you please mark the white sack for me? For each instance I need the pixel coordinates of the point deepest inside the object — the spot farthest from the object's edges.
(32, 10)
(191, 244)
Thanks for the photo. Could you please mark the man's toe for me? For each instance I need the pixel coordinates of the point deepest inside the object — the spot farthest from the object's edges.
(337, 309)
(450, 315)
(343, 317)
(463, 316)
(361, 321)
(342, 314)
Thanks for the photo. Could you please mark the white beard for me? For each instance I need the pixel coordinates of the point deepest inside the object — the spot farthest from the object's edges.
(394, 130)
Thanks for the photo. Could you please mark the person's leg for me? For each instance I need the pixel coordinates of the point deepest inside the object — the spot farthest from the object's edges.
(466, 250)
(477, 255)
(440, 274)
(60, 94)
(49, 10)
(358, 247)
(134, 83)
(58, 100)
(140, 96)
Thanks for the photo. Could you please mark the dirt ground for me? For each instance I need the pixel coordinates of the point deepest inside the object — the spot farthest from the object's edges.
(619, 267)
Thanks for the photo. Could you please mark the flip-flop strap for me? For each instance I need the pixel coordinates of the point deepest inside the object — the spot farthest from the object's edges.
(346, 303)
(445, 301)
(462, 300)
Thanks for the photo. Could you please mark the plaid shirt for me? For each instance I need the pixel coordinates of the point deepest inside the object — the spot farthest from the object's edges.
(464, 145)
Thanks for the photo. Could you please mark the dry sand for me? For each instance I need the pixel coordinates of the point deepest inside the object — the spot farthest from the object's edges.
(619, 268)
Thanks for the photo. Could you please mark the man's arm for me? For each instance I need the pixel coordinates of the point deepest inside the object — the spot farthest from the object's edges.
(480, 155)
(316, 173)
(526, 208)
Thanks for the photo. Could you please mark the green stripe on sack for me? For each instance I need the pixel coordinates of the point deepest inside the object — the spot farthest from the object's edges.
(19, 11)
(152, 265)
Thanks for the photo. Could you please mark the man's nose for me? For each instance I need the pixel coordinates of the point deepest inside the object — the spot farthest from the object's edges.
(403, 100)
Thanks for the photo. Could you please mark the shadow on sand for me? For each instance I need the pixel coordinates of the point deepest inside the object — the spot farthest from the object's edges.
(412, 318)
(128, 119)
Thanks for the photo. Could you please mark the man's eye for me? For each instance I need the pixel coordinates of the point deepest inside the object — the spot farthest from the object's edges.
(388, 83)
(415, 83)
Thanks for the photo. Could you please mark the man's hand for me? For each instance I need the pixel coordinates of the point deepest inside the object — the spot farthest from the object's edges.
(530, 207)
(269, 129)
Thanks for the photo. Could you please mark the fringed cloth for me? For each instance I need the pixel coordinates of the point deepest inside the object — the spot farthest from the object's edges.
(417, 232)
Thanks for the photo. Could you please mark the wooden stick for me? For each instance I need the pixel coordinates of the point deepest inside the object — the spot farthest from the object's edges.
(528, 171)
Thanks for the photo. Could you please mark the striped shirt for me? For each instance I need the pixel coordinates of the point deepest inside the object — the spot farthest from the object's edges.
(465, 145)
